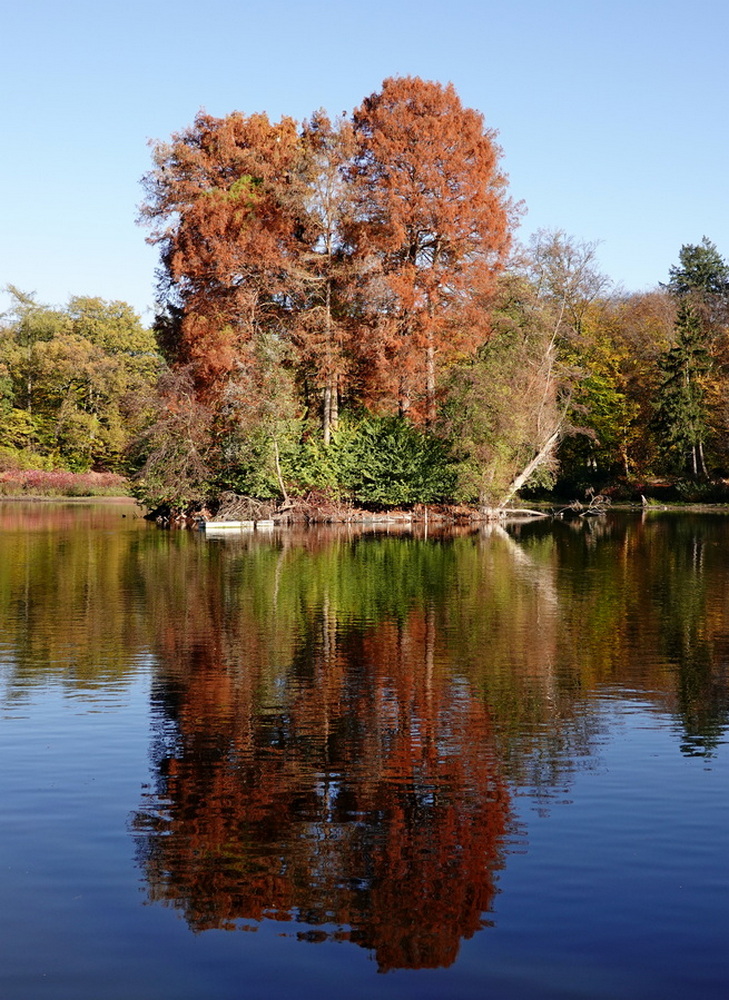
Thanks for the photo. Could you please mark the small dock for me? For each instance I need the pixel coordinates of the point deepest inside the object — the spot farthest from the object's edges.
(231, 527)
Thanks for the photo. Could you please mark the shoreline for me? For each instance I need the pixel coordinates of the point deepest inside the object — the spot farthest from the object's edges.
(401, 517)
(85, 499)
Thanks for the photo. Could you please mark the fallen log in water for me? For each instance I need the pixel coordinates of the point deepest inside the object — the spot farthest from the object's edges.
(502, 513)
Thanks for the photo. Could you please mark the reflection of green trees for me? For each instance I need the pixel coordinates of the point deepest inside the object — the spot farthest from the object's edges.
(69, 593)
(534, 620)
(692, 594)
(643, 606)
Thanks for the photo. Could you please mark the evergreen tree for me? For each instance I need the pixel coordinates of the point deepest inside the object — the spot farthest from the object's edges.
(702, 275)
(701, 268)
(682, 413)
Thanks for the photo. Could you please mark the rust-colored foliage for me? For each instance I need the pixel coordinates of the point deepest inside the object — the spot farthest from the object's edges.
(369, 245)
(430, 229)
(226, 197)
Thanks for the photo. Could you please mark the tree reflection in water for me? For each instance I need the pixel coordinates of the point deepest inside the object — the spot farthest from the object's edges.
(338, 720)
(364, 802)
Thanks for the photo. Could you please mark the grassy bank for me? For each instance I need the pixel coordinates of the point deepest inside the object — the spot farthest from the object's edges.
(26, 483)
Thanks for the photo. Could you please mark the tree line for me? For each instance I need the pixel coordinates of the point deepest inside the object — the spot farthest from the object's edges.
(343, 310)
(77, 384)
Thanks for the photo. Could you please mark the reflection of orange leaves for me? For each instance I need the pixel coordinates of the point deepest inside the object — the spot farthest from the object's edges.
(369, 799)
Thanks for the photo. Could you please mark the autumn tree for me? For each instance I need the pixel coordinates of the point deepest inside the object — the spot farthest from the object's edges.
(638, 329)
(225, 203)
(430, 230)
(322, 328)
(360, 254)
(172, 455)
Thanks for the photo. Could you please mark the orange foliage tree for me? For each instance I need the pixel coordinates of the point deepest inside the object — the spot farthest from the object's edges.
(370, 246)
(225, 200)
(430, 229)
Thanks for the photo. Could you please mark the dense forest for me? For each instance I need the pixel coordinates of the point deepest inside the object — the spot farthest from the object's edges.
(345, 314)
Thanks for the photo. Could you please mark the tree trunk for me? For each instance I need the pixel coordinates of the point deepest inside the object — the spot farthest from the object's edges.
(330, 419)
(278, 472)
(430, 383)
(327, 417)
(327, 414)
(542, 455)
(702, 460)
(335, 402)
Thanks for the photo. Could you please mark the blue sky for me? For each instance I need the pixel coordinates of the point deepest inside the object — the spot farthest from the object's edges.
(612, 115)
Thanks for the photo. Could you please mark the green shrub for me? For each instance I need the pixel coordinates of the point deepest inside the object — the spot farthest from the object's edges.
(388, 462)
(374, 461)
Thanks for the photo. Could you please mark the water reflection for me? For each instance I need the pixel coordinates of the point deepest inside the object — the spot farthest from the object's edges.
(318, 758)
(341, 721)
(71, 600)
(645, 602)
(361, 796)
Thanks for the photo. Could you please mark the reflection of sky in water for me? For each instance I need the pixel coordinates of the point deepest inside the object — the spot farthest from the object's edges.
(607, 732)
(618, 888)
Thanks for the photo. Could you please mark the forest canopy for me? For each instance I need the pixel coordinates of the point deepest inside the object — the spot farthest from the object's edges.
(344, 312)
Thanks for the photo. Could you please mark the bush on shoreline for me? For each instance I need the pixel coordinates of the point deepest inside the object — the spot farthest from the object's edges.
(60, 483)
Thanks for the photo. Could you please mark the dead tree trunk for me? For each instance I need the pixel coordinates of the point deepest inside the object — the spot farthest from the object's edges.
(542, 455)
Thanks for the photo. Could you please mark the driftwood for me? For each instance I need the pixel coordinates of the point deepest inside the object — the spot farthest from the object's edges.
(598, 504)
(233, 507)
(317, 508)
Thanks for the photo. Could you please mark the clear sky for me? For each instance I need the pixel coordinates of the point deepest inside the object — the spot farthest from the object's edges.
(612, 114)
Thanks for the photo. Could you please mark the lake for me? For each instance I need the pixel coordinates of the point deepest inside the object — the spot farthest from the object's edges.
(351, 763)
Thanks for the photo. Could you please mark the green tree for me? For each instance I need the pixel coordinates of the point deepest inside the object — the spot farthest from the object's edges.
(259, 422)
(700, 286)
(74, 379)
(30, 322)
(502, 410)
(682, 417)
(702, 269)
(389, 462)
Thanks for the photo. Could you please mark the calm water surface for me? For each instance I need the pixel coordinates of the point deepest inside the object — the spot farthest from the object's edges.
(347, 764)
